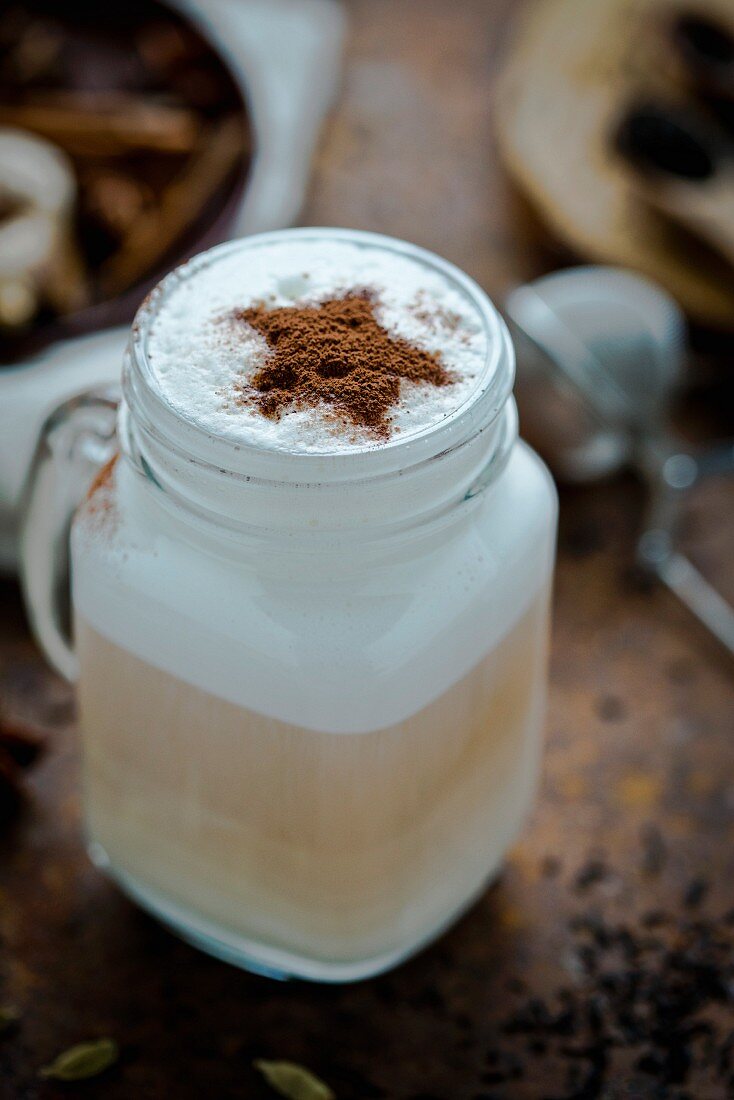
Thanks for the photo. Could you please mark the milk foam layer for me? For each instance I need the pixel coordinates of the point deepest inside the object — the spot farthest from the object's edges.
(199, 357)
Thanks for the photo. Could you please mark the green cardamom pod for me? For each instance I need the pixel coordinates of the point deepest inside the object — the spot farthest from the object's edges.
(293, 1081)
(83, 1060)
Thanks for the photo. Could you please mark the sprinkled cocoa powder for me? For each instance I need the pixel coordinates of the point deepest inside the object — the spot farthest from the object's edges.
(335, 352)
(435, 316)
(102, 478)
(99, 506)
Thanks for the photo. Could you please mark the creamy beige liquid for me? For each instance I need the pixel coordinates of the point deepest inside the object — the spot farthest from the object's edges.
(333, 847)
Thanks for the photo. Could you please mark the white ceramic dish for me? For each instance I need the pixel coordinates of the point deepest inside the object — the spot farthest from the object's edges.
(287, 55)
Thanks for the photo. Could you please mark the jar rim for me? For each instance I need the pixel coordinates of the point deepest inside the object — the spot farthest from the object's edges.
(198, 445)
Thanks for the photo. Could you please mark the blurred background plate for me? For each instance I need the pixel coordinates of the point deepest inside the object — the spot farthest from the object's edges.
(616, 120)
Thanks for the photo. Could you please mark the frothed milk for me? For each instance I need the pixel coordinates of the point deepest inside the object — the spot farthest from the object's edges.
(199, 358)
(310, 739)
(324, 845)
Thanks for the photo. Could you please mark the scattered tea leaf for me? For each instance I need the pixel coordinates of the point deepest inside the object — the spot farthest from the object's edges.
(82, 1061)
(293, 1081)
(9, 1015)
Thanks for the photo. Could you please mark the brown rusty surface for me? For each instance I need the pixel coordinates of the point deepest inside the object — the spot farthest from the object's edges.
(639, 773)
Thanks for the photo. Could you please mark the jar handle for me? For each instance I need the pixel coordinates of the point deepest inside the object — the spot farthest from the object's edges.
(76, 440)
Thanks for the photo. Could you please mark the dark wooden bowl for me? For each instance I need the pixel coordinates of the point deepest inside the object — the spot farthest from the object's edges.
(101, 54)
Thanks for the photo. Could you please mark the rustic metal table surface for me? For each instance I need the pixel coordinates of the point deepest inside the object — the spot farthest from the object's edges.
(600, 963)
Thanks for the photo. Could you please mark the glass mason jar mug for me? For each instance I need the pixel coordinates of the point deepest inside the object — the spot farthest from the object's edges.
(311, 686)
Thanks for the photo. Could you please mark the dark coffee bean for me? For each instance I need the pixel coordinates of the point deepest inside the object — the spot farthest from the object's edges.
(655, 138)
(705, 40)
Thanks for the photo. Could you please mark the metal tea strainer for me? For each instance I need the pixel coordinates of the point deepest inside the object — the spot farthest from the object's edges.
(600, 354)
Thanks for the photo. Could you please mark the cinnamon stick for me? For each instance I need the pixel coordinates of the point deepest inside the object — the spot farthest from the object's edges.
(158, 228)
(109, 124)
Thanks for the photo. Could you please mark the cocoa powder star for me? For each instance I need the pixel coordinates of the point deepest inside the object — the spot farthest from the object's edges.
(335, 352)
